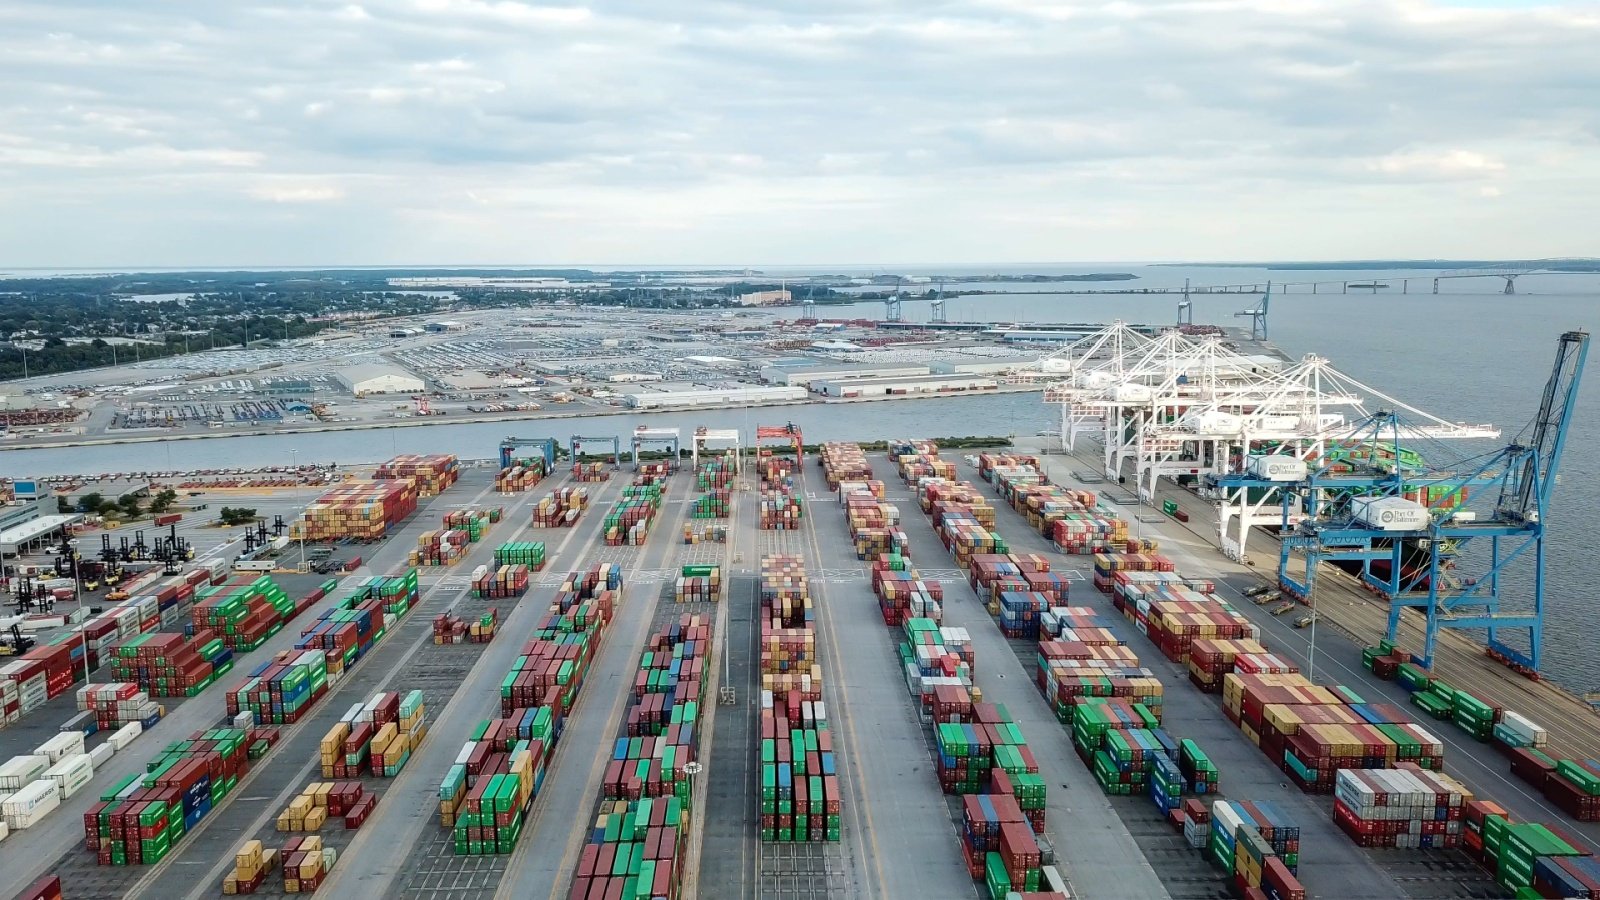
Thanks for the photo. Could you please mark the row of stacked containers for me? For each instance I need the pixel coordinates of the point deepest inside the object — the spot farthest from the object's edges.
(1381, 765)
(432, 474)
(629, 521)
(780, 507)
(369, 510)
(560, 508)
(486, 793)
(139, 819)
(1573, 785)
(637, 846)
(714, 479)
(235, 617)
(243, 612)
(49, 670)
(980, 752)
(447, 546)
(354, 623)
(1071, 519)
(1096, 685)
(521, 475)
(799, 799)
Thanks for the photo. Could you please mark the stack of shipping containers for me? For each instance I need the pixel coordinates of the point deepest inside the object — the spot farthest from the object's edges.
(560, 508)
(432, 474)
(799, 787)
(638, 843)
(486, 793)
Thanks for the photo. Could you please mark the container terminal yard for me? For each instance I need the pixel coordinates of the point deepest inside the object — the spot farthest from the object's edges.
(832, 673)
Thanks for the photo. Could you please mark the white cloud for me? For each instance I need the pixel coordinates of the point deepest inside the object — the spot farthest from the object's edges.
(795, 130)
(1440, 164)
(304, 193)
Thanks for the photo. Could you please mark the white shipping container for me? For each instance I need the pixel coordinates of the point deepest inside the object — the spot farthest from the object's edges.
(4, 829)
(101, 755)
(124, 736)
(1525, 727)
(41, 794)
(67, 743)
(72, 772)
(19, 771)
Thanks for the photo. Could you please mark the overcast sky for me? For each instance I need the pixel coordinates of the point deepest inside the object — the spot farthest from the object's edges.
(234, 132)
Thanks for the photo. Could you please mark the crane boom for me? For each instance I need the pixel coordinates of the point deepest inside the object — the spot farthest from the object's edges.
(1532, 476)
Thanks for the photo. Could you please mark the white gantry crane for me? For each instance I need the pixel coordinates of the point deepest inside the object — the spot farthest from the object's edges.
(1175, 405)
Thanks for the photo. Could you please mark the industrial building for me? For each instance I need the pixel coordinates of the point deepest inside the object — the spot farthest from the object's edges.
(897, 386)
(287, 387)
(379, 379)
(657, 398)
(803, 371)
(983, 367)
(764, 298)
(24, 529)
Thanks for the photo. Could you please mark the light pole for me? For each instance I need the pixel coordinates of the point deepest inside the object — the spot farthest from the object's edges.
(1311, 658)
(692, 769)
(83, 620)
(295, 464)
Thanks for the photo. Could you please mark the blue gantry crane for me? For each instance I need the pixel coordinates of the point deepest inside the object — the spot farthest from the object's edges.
(510, 446)
(1424, 551)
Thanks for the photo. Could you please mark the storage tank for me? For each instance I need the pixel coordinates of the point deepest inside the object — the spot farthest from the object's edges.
(1391, 513)
(1277, 467)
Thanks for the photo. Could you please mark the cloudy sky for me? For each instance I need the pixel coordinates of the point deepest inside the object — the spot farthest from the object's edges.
(237, 132)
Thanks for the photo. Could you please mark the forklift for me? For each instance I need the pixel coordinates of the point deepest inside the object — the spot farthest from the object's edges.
(16, 643)
(30, 597)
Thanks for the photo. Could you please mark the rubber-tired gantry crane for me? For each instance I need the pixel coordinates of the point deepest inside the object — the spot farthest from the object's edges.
(1425, 545)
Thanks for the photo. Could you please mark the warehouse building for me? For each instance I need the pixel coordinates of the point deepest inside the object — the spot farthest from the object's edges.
(27, 529)
(984, 367)
(802, 371)
(647, 398)
(902, 386)
(379, 379)
(764, 298)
